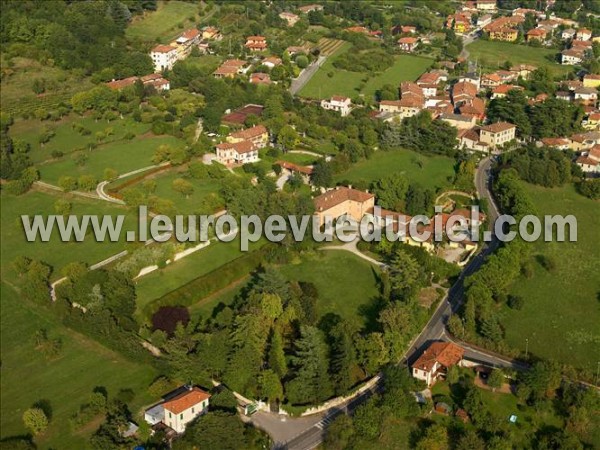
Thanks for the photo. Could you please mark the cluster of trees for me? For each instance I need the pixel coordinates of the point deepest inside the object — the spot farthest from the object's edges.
(395, 192)
(551, 118)
(589, 188)
(371, 61)
(541, 165)
(422, 134)
(86, 36)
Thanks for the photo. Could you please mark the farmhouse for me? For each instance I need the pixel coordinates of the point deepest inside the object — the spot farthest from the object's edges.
(572, 56)
(230, 153)
(408, 44)
(256, 43)
(177, 411)
(337, 103)
(257, 135)
(536, 34)
(163, 57)
(230, 68)
(435, 361)
(590, 162)
(290, 18)
(343, 201)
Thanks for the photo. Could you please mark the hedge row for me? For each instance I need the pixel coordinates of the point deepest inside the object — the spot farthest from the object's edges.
(207, 284)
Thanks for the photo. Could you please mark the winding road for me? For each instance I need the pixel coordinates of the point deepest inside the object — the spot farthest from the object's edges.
(435, 330)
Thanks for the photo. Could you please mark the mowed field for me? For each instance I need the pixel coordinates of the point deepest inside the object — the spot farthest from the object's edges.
(123, 156)
(163, 23)
(428, 171)
(62, 383)
(343, 82)
(562, 311)
(347, 284)
(493, 54)
(55, 252)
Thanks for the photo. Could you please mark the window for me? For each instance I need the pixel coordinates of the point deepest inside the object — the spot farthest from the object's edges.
(193, 410)
(181, 416)
(169, 415)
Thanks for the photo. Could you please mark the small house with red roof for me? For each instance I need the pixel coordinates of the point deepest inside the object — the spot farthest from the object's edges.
(408, 44)
(256, 43)
(179, 409)
(435, 361)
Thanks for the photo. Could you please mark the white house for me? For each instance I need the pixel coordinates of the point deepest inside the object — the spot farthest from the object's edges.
(567, 34)
(435, 361)
(590, 162)
(572, 57)
(163, 57)
(243, 152)
(176, 412)
(583, 34)
(337, 103)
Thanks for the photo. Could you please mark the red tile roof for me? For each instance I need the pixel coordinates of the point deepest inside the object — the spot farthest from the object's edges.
(498, 127)
(186, 400)
(445, 353)
(250, 133)
(163, 49)
(238, 147)
(339, 195)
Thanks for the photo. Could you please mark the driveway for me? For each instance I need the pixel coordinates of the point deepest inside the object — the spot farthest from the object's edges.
(283, 428)
(306, 75)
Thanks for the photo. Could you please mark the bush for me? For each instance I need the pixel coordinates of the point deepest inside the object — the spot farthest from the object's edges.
(167, 318)
(56, 154)
(515, 302)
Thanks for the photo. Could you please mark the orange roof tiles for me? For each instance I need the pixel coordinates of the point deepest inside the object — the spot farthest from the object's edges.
(445, 353)
(186, 400)
(339, 195)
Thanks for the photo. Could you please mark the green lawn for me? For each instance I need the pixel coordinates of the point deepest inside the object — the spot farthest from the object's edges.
(561, 312)
(64, 382)
(54, 252)
(343, 82)
(162, 23)
(66, 139)
(493, 54)
(347, 284)
(185, 205)
(429, 171)
(123, 156)
(163, 281)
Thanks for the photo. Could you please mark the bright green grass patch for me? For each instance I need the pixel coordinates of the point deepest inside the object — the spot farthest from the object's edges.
(123, 156)
(405, 68)
(65, 382)
(185, 205)
(493, 54)
(162, 23)
(561, 314)
(347, 284)
(161, 282)
(428, 171)
(350, 84)
(55, 252)
(66, 139)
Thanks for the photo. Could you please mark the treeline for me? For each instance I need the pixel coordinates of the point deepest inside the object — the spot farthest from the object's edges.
(544, 166)
(422, 134)
(88, 36)
(486, 289)
(551, 118)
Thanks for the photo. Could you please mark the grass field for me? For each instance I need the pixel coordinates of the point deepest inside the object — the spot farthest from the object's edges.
(493, 54)
(185, 205)
(64, 382)
(54, 252)
(343, 82)
(163, 23)
(66, 139)
(161, 282)
(429, 171)
(561, 313)
(347, 284)
(122, 156)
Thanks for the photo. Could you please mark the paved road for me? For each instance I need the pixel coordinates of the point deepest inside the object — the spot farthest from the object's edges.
(298, 83)
(434, 330)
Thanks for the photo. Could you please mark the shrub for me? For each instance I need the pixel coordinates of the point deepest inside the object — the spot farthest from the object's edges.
(167, 318)
(515, 302)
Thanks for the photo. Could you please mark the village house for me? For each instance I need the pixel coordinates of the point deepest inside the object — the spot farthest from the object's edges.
(504, 34)
(469, 140)
(572, 56)
(230, 68)
(584, 141)
(233, 153)
(557, 143)
(486, 5)
(272, 61)
(490, 80)
(591, 80)
(586, 96)
(459, 22)
(503, 89)
(290, 18)
(523, 70)
(592, 121)
(463, 92)
(163, 57)
(567, 34)
(180, 409)
(435, 361)
(260, 78)
(256, 43)
(483, 20)
(211, 34)
(590, 161)
(408, 44)
(155, 80)
(337, 103)
(583, 34)
(290, 168)
(433, 77)
(309, 8)
(343, 201)
(258, 135)
(497, 134)
(536, 34)
(474, 108)
(458, 121)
